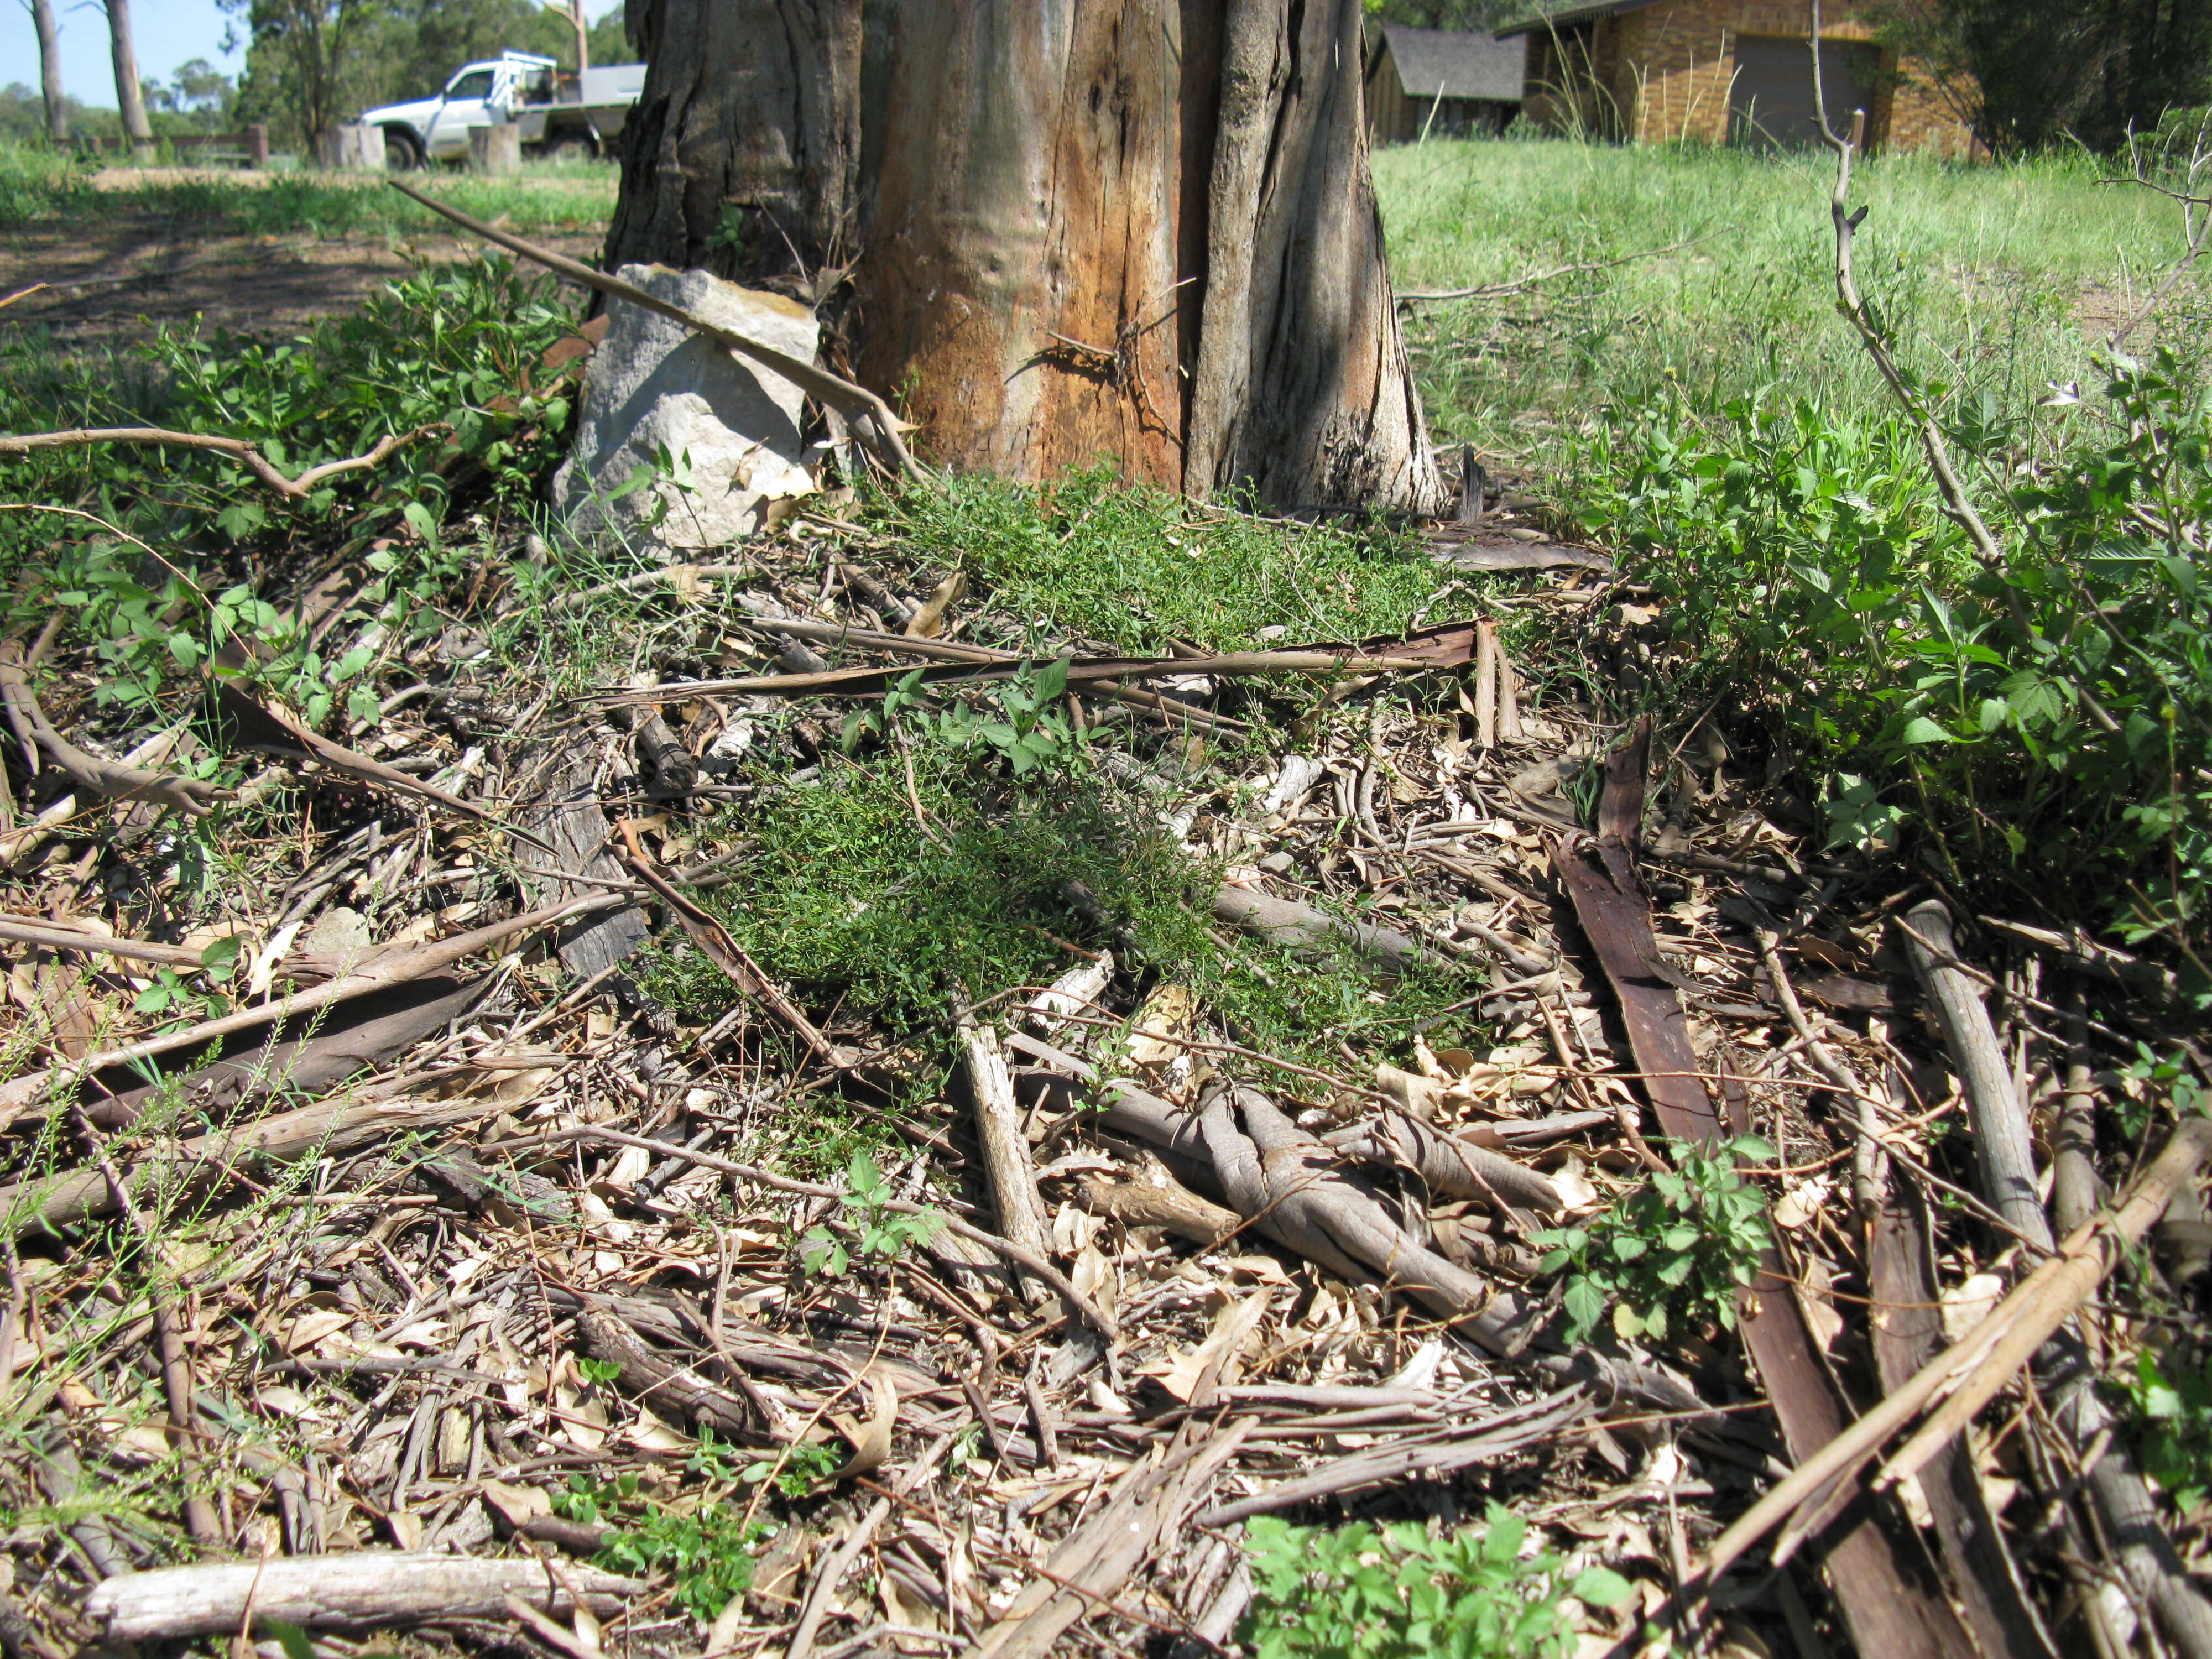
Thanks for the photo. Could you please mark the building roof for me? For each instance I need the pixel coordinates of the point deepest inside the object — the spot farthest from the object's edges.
(1456, 63)
(1568, 17)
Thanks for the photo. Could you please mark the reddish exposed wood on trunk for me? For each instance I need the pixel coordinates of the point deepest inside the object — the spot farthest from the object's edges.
(1055, 230)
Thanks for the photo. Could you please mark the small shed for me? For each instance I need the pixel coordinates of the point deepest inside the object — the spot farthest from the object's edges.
(1441, 83)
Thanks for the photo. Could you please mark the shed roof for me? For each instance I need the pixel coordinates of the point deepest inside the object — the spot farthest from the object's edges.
(1456, 63)
(1568, 17)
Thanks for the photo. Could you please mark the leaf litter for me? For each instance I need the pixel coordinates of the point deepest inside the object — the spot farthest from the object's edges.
(760, 1148)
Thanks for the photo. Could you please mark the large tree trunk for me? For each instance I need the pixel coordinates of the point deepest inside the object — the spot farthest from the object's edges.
(1137, 228)
(50, 69)
(127, 97)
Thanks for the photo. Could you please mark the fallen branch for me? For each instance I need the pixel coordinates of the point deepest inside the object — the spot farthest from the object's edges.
(193, 797)
(395, 970)
(331, 1127)
(1296, 1190)
(237, 448)
(870, 416)
(361, 1590)
(1972, 1368)
(1510, 1431)
(1306, 931)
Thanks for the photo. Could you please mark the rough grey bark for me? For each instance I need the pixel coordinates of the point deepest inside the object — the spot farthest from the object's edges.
(50, 69)
(129, 98)
(1054, 229)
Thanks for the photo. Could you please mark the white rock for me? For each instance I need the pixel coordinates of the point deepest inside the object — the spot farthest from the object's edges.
(730, 427)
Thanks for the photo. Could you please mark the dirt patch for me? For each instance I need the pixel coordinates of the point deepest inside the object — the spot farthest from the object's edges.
(119, 279)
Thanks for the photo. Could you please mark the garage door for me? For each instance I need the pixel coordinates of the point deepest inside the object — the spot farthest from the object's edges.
(1770, 100)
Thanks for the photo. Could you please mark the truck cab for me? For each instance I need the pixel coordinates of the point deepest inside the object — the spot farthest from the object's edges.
(563, 115)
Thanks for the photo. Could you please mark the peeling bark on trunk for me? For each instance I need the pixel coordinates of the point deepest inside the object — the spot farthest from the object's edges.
(1053, 229)
(129, 99)
(50, 69)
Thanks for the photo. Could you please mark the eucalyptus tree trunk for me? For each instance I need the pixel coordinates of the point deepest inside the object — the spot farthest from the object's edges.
(1051, 230)
(50, 69)
(129, 98)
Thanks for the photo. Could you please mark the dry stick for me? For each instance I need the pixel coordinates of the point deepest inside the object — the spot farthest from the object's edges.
(1006, 1162)
(1020, 1256)
(28, 930)
(1956, 506)
(637, 583)
(1485, 686)
(237, 448)
(405, 966)
(870, 415)
(94, 776)
(2001, 1146)
(176, 1370)
(2037, 1306)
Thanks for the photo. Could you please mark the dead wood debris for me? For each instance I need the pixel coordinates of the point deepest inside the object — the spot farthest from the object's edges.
(473, 1259)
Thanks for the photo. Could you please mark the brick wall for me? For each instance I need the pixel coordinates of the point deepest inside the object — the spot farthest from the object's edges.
(1664, 72)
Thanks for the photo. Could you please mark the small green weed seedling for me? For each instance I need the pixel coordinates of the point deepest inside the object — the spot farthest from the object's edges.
(709, 1555)
(590, 1501)
(881, 1235)
(796, 1470)
(1690, 1238)
(1024, 724)
(1360, 1592)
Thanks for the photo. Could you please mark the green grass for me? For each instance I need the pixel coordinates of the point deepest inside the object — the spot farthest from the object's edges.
(1981, 271)
(1133, 568)
(38, 187)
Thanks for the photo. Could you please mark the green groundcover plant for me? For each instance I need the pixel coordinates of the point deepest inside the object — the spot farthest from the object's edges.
(1363, 1592)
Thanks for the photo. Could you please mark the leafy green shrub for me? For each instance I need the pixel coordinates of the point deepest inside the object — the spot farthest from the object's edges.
(2047, 723)
(1360, 1592)
(456, 346)
(2173, 1423)
(1688, 1239)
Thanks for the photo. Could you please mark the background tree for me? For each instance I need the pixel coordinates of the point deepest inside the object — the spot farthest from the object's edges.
(50, 67)
(129, 99)
(311, 61)
(1053, 229)
(2029, 74)
(1454, 13)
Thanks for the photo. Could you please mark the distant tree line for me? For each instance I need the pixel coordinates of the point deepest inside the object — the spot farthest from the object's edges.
(311, 64)
(199, 98)
(2028, 74)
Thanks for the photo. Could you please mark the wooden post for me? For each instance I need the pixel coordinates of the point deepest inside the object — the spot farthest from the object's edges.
(257, 146)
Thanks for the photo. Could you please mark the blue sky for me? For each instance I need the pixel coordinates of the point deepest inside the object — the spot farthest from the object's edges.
(169, 32)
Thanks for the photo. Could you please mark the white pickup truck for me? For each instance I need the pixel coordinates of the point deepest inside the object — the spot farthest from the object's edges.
(563, 115)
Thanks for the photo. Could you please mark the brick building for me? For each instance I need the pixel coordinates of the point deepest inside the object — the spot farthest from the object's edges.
(1729, 71)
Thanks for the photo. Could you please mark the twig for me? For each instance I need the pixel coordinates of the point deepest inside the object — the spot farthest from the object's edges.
(176, 1370)
(1506, 290)
(237, 448)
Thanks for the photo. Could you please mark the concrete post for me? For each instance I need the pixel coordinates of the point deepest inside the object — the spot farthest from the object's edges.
(495, 150)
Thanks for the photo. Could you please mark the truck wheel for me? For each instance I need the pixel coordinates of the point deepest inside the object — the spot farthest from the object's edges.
(571, 149)
(401, 152)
